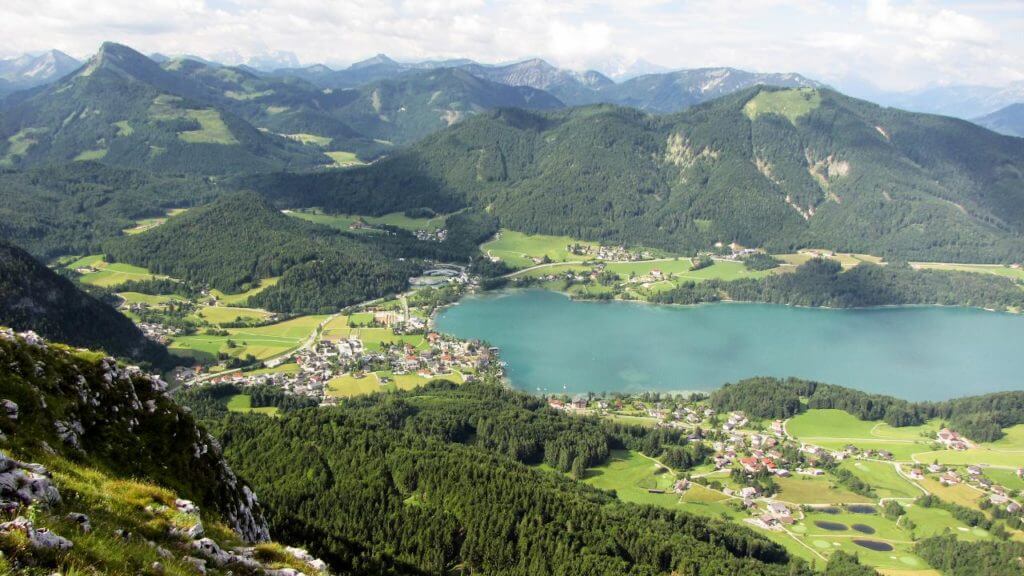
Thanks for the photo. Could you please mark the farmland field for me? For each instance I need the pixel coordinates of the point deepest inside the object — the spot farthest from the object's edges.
(347, 385)
(212, 129)
(343, 159)
(516, 248)
(800, 489)
(149, 299)
(631, 475)
(225, 314)
(397, 219)
(262, 342)
(107, 274)
(791, 104)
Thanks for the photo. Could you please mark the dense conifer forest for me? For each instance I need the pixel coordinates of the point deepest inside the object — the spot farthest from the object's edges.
(441, 478)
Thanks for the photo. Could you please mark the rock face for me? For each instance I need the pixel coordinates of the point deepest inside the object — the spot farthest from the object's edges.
(38, 538)
(117, 416)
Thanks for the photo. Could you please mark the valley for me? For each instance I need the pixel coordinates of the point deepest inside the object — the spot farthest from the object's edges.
(449, 317)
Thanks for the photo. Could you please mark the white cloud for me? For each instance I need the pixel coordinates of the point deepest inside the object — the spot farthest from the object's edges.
(894, 43)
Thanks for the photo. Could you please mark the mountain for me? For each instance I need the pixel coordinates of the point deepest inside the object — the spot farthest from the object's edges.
(33, 297)
(75, 208)
(1009, 120)
(102, 468)
(31, 70)
(958, 101)
(415, 104)
(125, 110)
(567, 85)
(675, 91)
(776, 168)
(236, 241)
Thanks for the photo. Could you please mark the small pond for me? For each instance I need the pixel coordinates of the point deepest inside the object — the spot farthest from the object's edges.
(863, 528)
(874, 545)
(834, 526)
(861, 509)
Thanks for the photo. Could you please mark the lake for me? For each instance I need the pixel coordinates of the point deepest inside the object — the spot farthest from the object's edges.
(553, 344)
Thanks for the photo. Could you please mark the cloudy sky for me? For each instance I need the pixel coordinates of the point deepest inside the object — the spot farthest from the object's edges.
(891, 44)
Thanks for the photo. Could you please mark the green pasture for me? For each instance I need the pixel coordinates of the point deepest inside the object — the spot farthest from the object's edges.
(997, 269)
(150, 223)
(153, 300)
(311, 139)
(882, 476)
(212, 129)
(109, 274)
(800, 489)
(342, 158)
(344, 221)
(632, 475)
(95, 154)
(790, 104)
(516, 248)
(227, 314)
(935, 521)
(243, 403)
(262, 342)
(240, 298)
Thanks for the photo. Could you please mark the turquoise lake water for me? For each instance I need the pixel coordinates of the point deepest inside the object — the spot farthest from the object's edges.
(553, 344)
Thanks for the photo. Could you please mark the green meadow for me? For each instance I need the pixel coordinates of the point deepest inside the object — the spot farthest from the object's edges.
(997, 269)
(344, 221)
(516, 248)
(226, 314)
(262, 342)
(243, 403)
(150, 223)
(236, 299)
(212, 129)
(791, 104)
(108, 275)
(347, 386)
(343, 159)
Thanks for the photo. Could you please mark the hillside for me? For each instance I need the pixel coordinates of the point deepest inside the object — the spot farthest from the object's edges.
(93, 456)
(444, 477)
(1009, 120)
(238, 240)
(414, 105)
(780, 169)
(74, 208)
(33, 297)
(123, 109)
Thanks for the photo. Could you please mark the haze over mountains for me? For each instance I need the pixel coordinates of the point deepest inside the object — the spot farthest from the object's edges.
(31, 70)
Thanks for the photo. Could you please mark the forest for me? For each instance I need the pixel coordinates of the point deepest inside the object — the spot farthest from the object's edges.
(713, 173)
(980, 418)
(445, 477)
(822, 282)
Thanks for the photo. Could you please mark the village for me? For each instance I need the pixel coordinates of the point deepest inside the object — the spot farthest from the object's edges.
(756, 464)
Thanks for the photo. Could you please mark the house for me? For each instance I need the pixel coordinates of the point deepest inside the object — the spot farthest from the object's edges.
(751, 464)
(1013, 508)
(782, 473)
(778, 509)
(934, 468)
(949, 478)
(811, 471)
(974, 470)
(917, 474)
(777, 428)
(556, 404)
(750, 492)
(579, 402)
(682, 486)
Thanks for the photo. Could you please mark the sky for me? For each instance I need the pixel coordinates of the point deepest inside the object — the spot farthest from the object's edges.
(893, 45)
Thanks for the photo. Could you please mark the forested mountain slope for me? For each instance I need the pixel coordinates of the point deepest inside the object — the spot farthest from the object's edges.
(125, 110)
(1009, 120)
(33, 297)
(781, 169)
(437, 479)
(74, 208)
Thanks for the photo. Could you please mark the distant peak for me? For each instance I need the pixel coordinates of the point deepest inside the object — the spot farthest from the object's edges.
(374, 61)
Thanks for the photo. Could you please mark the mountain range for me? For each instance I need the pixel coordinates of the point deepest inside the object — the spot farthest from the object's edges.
(769, 167)
(31, 70)
(1009, 120)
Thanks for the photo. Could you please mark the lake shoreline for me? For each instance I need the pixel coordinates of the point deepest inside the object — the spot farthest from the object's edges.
(704, 346)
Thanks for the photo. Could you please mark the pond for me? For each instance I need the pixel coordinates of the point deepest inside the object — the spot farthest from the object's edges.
(833, 526)
(863, 528)
(552, 344)
(861, 509)
(874, 545)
